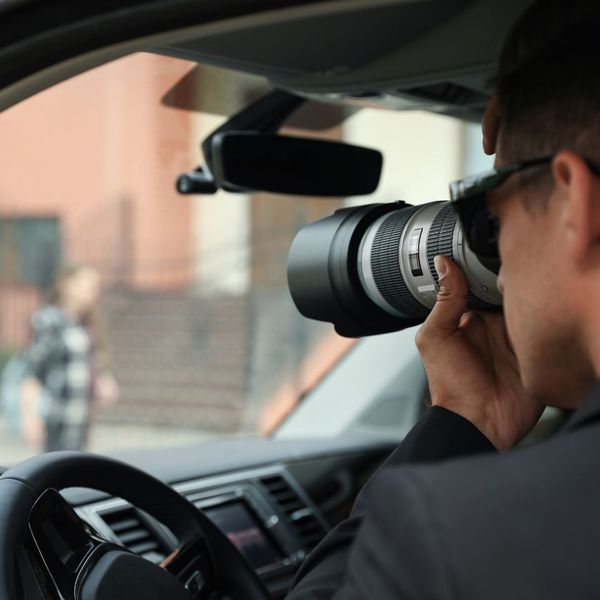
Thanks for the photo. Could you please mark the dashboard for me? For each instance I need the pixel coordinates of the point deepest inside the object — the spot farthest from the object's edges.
(275, 500)
(264, 512)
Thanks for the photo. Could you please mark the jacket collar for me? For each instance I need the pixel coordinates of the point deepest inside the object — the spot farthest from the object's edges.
(588, 411)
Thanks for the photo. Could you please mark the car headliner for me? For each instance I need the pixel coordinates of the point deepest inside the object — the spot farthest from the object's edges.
(432, 54)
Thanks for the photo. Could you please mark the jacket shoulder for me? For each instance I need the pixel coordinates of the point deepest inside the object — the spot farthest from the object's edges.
(520, 525)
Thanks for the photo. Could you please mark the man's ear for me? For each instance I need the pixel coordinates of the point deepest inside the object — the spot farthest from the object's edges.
(579, 190)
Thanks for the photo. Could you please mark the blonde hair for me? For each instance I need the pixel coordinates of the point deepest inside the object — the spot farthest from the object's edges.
(90, 319)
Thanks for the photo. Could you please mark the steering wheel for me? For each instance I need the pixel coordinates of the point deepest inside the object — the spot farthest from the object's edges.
(77, 563)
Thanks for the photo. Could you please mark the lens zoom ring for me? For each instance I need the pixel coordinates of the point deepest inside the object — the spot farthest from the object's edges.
(440, 242)
(385, 264)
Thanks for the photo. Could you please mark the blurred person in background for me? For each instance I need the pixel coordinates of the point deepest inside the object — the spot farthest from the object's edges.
(67, 374)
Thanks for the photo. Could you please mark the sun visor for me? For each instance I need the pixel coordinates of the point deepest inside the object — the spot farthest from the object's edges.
(435, 55)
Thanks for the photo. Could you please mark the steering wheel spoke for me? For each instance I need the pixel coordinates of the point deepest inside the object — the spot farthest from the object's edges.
(66, 545)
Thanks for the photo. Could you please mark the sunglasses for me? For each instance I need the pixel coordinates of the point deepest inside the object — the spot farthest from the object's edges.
(468, 198)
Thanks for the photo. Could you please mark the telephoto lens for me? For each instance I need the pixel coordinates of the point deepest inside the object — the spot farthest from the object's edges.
(369, 269)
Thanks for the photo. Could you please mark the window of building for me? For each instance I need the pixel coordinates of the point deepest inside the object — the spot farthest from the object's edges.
(30, 250)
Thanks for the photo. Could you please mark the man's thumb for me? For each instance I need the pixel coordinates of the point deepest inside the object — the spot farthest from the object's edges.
(452, 296)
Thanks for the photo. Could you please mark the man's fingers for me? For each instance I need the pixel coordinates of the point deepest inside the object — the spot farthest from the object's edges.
(451, 300)
(497, 327)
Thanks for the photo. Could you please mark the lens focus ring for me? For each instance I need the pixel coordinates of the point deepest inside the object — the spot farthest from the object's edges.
(440, 242)
(440, 237)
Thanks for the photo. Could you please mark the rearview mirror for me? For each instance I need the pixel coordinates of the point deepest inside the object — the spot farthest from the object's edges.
(293, 165)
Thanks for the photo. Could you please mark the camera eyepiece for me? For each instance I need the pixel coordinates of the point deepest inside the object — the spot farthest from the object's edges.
(369, 269)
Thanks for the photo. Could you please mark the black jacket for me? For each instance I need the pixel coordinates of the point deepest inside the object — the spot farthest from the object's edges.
(524, 524)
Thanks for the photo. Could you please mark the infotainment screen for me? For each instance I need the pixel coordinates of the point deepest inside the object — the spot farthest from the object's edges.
(240, 525)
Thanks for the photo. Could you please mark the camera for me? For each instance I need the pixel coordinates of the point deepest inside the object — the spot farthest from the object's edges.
(369, 269)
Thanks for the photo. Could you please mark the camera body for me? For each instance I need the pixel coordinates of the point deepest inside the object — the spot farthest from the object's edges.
(369, 269)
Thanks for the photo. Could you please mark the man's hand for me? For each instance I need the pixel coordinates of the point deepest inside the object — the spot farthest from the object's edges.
(106, 390)
(471, 367)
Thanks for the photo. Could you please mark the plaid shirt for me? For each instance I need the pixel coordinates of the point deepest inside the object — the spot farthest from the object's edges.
(60, 358)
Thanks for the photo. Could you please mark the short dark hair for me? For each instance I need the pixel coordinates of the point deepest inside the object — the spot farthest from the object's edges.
(548, 81)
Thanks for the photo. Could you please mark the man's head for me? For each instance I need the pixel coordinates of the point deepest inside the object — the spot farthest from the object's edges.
(547, 82)
(548, 100)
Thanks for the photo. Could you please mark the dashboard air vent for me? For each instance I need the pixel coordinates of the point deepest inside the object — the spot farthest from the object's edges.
(308, 527)
(133, 532)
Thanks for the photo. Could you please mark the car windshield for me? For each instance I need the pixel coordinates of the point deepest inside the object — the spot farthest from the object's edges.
(173, 315)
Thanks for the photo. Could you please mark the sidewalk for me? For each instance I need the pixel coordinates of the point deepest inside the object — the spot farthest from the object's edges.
(110, 438)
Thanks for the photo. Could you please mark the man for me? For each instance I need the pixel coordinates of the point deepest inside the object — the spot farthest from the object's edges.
(525, 523)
